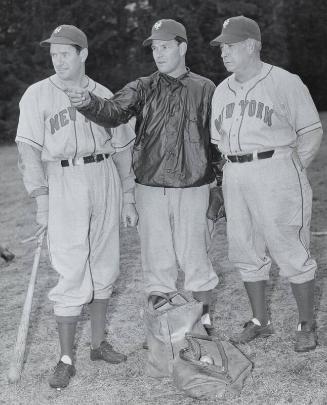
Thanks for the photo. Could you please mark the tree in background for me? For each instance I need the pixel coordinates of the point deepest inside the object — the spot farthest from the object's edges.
(293, 34)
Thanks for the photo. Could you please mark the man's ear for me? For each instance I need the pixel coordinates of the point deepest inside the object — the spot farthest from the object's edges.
(183, 48)
(83, 54)
(250, 45)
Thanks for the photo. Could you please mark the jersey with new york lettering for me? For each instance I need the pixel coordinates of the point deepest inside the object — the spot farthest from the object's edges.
(49, 123)
(269, 111)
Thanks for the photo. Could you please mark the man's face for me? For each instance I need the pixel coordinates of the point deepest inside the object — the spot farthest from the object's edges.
(168, 56)
(67, 62)
(235, 56)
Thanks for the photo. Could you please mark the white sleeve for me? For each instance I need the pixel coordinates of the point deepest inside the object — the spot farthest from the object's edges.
(30, 128)
(215, 124)
(303, 113)
(308, 145)
(123, 136)
(123, 162)
(32, 170)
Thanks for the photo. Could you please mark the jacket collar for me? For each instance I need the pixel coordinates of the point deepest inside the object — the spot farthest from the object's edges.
(183, 79)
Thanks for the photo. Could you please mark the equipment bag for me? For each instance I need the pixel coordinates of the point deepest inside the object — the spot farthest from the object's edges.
(209, 368)
(166, 324)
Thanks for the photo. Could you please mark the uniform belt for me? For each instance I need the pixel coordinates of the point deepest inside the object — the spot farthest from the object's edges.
(84, 160)
(250, 156)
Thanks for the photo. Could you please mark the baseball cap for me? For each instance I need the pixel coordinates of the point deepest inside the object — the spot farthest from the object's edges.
(67, 35)
(237, 29)
(166, 30)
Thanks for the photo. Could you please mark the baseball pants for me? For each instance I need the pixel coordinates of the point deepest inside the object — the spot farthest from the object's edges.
(268, 205)
(83, 233)
(175, 233)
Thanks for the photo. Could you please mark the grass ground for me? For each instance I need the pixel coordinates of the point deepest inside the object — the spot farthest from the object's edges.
(280, 376)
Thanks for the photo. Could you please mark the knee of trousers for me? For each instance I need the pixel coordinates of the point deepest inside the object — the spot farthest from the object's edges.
(253, 276)
(302, 278)
(104, 294)
(66, 311)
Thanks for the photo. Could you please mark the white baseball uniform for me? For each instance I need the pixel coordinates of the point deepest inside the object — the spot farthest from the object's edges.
(267, 197)
(84, 195)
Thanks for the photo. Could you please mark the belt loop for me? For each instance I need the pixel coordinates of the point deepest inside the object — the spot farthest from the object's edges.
(255, 155)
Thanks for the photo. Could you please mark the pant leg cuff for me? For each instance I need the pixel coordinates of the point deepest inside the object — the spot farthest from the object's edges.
(67, 319)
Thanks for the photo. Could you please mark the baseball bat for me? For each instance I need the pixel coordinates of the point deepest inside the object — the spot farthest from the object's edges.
(17, 360)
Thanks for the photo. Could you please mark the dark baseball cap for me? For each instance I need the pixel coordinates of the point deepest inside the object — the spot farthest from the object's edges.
(166, 30)
(237, 29)
(67, 35)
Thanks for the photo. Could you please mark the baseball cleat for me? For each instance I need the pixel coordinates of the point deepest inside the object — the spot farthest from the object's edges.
(252, 331)
(106, 352)
(306, 337)
(61, 375)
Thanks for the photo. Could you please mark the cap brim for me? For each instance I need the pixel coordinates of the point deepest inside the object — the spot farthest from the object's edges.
(58, 40)
(226, 39)
(161, 37)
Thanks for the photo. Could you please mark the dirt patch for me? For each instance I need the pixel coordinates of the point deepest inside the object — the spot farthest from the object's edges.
(280, 376)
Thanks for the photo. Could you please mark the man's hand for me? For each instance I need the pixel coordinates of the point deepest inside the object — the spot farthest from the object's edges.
(129, 215)
(78, 96)
(216, 204)
(42, 213)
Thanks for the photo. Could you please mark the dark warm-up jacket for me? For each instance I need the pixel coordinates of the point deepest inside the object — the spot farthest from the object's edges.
(172, 145)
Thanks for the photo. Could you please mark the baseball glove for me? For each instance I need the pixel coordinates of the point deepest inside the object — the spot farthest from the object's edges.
(6, 254)
(216, 208)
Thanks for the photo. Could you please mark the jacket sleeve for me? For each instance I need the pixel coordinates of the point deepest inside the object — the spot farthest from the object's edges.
(32, 170)
(117, 110)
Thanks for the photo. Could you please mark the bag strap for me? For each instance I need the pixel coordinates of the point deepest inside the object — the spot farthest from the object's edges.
(167, 298)
(194, 346)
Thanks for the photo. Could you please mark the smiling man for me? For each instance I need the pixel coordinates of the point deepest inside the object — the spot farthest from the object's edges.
(80, 175)
(265, 123)
(172, 162)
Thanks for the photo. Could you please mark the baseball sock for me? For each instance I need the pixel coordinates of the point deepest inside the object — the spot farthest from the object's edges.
(304, 297)
(257, 295)
(66, 331)
(98, 311)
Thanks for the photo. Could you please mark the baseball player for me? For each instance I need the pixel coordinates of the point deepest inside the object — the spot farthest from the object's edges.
(266, 125)
(80, 175)
(171, 160)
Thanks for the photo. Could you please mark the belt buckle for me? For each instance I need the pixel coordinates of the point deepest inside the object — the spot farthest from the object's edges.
(227, 159)
(76, 161)
(97, 157)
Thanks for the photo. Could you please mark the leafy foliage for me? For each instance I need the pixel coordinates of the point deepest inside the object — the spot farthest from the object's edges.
(293, 34)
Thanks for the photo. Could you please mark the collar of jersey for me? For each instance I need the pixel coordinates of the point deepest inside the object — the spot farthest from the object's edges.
(235, 85)
(61, 85)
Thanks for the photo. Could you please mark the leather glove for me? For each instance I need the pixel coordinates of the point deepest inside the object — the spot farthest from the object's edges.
(216, 208)
(42, 212)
